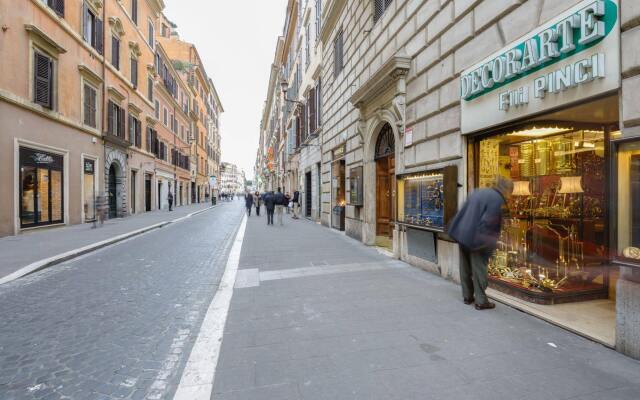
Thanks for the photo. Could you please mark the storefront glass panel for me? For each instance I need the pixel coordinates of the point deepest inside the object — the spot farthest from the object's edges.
(28, 210)
(629, 202)
(553, 241)
(41, 189)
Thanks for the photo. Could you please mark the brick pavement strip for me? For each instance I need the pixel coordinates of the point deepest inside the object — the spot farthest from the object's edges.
(117, 323)
(389, 333)
(31, 252)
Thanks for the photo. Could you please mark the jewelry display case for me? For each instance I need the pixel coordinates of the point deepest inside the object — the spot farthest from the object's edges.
(553, 243)
(429, 199)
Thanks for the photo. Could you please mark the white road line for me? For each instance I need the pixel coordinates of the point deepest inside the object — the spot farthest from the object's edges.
(199, 373)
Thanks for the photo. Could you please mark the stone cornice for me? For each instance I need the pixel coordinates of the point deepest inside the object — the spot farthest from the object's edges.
(396, 68)
(330, 16)
(89, 74)
(46, 39)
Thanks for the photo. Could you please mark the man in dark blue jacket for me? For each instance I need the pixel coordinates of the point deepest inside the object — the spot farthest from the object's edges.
(476, 228)
(270, 205)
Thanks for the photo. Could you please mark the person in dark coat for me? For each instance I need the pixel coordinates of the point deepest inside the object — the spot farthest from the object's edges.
(170, 199)
(270, 204)
(248, 202)
(476, 228)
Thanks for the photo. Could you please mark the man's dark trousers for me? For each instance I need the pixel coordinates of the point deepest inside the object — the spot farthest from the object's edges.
(249, 211)
(474, 275)
(270, 216)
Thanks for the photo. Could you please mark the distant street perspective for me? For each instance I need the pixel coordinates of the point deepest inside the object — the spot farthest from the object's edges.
(320, 199)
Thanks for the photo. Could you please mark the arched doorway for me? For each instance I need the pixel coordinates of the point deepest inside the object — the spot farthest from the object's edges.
(385, 181)
(113, 191)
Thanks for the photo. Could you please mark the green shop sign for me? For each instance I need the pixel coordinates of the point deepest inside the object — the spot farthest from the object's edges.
(573, 34)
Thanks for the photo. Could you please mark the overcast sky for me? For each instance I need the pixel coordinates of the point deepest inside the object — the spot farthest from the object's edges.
(236, 41)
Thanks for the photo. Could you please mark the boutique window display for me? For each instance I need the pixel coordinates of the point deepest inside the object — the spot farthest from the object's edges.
(554, 239)
(628, 210)
(41, 188)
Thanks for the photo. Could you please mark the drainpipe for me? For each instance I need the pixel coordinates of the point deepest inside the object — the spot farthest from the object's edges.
(104, 95)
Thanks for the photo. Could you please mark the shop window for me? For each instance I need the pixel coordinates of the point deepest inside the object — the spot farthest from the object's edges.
(554, 239)
(41, 188)
(89, 179)
(629, 202)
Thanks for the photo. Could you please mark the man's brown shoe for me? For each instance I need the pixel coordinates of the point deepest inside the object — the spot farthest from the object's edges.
(486, 306)
(468, 301)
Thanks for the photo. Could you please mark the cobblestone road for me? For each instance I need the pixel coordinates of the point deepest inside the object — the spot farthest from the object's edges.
(118, 323)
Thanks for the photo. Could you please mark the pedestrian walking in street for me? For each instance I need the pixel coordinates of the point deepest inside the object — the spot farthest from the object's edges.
(269, 204)
(248, 202)
(280, 203)
(257, 202)
(476, 228)
(296, 204)
(287, 202)
(170, 199)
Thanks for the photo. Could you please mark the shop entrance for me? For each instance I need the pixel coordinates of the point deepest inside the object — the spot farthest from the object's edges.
(113, 191)
(132, 197)
(385, 182)
(147, 193)
(41, 188)
(308, 195)
(554, 248)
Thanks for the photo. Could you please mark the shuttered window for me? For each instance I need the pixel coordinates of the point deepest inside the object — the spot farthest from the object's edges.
(151, 39)
(379, 7)
(150, 88)
(57, 6)
(318, 18)
(134, 11)
(43, 80)
(115, 52)
(319, 103)
(115, 120)
(135, 131)
(92, 28)
(90, 106)
(338, 53)
(312, 111)
(134, 72)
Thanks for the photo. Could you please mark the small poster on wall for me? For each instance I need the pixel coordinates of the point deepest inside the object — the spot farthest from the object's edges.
(408, 137)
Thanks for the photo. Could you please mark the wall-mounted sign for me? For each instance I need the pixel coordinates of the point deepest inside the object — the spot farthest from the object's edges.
(572, 57)
(89, 166)
(408, 137)
(356, 196)
(338, 152)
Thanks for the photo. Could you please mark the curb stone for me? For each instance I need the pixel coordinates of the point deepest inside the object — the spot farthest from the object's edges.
(71, 254)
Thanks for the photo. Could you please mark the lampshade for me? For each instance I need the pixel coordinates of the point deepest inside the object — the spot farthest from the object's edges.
(521, 188)
(570, 184)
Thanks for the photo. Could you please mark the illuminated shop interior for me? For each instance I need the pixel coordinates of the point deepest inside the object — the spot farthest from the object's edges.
(554, 243)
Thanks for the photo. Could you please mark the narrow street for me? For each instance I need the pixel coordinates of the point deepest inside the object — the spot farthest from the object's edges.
(117, 323)
(313, 315)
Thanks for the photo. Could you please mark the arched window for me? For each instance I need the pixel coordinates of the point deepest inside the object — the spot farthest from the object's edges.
(386, 144)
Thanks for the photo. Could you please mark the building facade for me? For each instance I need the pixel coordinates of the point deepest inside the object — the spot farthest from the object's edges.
(79, 110)
(232, 179)
(426, 101)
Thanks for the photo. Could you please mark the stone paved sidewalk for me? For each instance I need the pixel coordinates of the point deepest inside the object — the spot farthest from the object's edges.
(316, 315)
(19, 251)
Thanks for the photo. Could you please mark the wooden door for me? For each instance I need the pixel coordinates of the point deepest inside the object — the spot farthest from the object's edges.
(383, 197)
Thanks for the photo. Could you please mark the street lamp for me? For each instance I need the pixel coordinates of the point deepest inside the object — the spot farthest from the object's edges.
(284, 85)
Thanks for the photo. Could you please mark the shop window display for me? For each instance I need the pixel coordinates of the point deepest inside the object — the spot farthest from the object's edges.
(41, 188)
(554, 238)
(629, 202)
